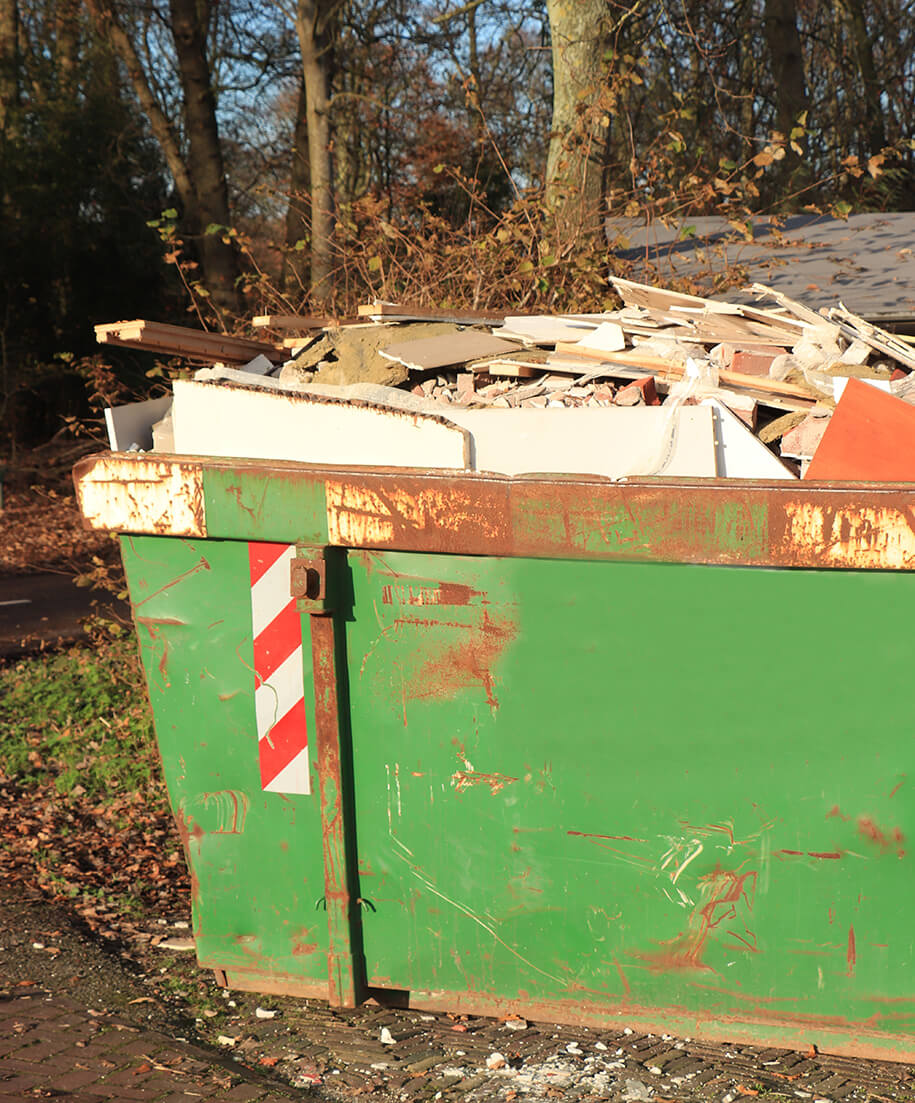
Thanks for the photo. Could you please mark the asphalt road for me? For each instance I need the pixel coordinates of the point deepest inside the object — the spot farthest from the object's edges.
(46, 609)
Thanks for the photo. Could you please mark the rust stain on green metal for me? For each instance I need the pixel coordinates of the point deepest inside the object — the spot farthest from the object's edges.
(639, 526)
(447, 637)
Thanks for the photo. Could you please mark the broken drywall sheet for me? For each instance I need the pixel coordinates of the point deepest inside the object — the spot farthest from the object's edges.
(540, 329)
(430, 353)
(611, 441)
(256, 423)
(607, 337)
(130, 427)
(739, 454)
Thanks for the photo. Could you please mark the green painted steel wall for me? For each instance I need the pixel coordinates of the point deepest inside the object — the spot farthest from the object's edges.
(255, 858)
(605, 785)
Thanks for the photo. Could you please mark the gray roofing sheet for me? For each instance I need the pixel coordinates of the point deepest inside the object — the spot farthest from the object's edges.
(866, 262)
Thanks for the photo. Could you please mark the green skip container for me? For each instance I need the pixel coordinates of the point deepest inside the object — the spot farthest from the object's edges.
(617, 754)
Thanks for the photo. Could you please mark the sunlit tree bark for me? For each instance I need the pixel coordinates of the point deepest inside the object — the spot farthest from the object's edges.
(578, 142)
(314, 24)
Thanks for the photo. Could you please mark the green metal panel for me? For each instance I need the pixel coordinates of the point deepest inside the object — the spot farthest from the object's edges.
(256, 858)
(594, 787)
(277, 505)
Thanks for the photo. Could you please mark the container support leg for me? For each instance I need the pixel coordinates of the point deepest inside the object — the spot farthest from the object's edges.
(344, 960)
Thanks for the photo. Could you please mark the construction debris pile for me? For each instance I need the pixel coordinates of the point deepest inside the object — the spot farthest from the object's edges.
(671, 384)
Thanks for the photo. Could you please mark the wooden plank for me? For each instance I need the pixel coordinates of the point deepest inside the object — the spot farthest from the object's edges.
(509, 369)
(291, 321)
(633, 358)
(194, 344)
(404, 312)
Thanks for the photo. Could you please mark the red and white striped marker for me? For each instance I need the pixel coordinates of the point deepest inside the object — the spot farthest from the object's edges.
(279, 689)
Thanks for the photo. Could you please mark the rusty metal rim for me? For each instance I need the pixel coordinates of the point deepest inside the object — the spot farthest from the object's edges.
(279, 467)
(708, 521)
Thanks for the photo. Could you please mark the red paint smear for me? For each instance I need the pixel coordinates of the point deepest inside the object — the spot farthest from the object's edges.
(823, 854)
(591, 835)
(835, 811)
(870, 830)
(799, 852)
(725, 892)
(851, 956)
(619, 969)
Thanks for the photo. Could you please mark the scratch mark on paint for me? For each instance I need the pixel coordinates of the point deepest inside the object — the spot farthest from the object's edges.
(897, 786)
(200, 565)
(463, 779)
(476, 919)
(619, 969)
(591, 835)
(228, 807)
(850, 955)
(680, 868)
(726, 893)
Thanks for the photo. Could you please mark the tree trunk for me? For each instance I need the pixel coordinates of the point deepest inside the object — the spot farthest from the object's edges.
(787, 59)
(864, 56)
(159, 124)
(9, 64)
(313, 27)
(67, 52)
(578, 143)
(294, 259)
(204, 153)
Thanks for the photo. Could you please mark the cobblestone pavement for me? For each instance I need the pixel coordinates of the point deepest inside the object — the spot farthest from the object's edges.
(52, 1047)
(88, 1020)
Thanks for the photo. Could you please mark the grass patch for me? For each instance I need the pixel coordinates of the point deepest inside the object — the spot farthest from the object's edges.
(83, 808)
(78, 720)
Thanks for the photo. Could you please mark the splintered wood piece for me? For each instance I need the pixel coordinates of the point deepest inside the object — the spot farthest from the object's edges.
(727, 320)
(193, 344)
(857, 329)
(801, 312)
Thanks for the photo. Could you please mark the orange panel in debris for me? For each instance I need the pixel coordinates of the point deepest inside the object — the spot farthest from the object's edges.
(870, 438)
